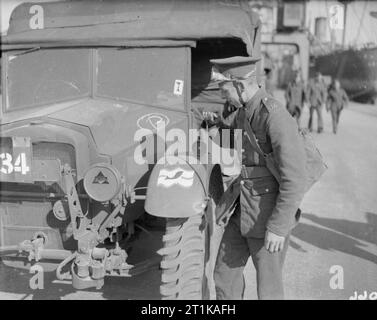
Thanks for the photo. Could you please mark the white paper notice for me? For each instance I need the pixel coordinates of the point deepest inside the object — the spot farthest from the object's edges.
(178, 87)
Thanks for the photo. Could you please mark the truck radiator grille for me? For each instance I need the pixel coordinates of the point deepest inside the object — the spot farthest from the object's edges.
(53, 150)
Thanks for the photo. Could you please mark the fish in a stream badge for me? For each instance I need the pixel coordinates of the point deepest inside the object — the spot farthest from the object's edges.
(178, 176)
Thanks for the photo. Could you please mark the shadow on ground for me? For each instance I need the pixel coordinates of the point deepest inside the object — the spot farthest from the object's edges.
(145, 286)
(15, 281)
(338, 235)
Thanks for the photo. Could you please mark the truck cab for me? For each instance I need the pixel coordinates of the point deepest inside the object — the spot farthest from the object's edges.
(94, 95)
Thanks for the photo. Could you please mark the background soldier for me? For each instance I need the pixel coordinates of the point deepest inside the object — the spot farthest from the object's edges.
(317, 95)
(268, 81)
(337, 99)
(295, 96)
(265, 212)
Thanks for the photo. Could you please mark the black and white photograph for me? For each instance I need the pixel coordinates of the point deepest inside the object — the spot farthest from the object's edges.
(197, 150)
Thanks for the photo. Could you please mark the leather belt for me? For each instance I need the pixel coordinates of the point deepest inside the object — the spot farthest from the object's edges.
(254, 172)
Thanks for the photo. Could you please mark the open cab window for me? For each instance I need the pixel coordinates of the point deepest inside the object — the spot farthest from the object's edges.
(151, 76)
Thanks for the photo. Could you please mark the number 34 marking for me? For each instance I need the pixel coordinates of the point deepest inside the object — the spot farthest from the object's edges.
(7, 165)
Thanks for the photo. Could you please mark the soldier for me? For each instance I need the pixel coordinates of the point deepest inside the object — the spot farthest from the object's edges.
(295, 97)
(264, 210)
(317, 98)
(337, 99)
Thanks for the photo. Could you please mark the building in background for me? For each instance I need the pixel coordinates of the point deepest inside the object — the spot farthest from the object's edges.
(355, 22)
(284, 38)
(337, 36)
(344, 46)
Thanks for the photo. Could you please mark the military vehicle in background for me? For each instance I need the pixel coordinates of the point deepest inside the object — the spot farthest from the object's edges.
(80, 79)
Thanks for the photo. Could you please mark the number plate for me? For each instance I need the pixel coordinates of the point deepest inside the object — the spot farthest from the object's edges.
(15, 159)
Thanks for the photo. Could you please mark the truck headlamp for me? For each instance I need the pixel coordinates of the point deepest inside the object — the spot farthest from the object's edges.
(102, 182)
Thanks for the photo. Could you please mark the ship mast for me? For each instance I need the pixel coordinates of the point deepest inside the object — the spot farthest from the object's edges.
(345, 3)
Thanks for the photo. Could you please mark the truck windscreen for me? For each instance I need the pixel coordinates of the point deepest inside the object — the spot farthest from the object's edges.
(46, 76)
(153, 76)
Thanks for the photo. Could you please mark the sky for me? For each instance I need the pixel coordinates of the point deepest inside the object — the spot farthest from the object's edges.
(6, 7)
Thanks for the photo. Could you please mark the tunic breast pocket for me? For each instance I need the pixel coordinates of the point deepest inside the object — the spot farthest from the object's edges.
(260, 186)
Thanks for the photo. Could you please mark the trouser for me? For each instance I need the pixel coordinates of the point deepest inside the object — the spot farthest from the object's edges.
(335, 115)
(318, 109)
(231, 260)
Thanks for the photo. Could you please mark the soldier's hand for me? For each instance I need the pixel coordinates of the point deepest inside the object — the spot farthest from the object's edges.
(273, 242)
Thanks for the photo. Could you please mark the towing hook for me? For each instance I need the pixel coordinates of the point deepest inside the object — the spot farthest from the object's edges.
(40, 237)
(34, 246)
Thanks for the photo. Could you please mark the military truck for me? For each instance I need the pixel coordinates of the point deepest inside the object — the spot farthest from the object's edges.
(86, 87)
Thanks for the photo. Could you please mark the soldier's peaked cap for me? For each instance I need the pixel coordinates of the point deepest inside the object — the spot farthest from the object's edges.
(235, 67)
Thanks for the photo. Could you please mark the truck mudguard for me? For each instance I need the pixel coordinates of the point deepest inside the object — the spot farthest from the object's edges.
(178, 188)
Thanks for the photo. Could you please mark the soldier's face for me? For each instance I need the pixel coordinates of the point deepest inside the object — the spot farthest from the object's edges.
(229, 92)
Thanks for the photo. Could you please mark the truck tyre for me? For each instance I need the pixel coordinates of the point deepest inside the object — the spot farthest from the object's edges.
(184, 256)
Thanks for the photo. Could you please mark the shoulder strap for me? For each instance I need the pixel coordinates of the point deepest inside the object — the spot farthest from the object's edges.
(254, 143)
(249, 132)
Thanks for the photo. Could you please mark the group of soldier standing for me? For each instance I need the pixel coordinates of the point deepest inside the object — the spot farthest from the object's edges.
(317, 95)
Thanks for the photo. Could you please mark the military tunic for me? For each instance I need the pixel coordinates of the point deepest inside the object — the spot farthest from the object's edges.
(317, 95)
(263, 203)
(336, 100)
(295, 96)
